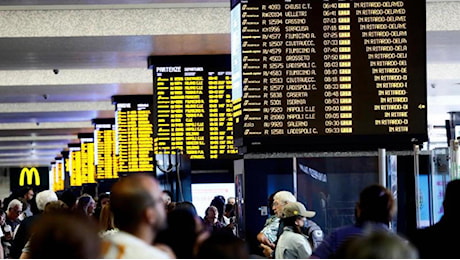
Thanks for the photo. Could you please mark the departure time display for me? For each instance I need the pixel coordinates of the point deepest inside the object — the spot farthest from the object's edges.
(75, 164)
(134, 133)
(88, 170)
(311, 73)
(105, 149)
(193, 105)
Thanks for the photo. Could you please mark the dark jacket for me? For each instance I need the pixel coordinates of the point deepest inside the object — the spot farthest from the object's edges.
(438, 241)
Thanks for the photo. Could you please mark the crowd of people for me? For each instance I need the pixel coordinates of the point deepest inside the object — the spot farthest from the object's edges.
(138, 219)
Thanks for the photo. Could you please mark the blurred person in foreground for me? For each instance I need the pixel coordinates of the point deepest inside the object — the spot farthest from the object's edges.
(138, 210)
(375, 210)
(438, 241)
(223, 245)
(377, 244)
(64, 235)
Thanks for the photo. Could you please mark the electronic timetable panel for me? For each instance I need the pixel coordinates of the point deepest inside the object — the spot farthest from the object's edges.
(58, 174)
(193, 109)
(134, 133)
(322, 74)
(75, 164)
(105, 158)
(88, 170)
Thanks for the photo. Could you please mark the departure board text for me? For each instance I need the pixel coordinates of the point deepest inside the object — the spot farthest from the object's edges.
(316, 72)
(193, 106)
(134, 133)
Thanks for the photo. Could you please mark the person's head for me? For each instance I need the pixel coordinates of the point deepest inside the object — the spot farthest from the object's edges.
(377, 244)
(86, 204)
(295, 215)
(56, 206)
(167, 197)
(69, 198)
(44, 197)
(231, 200)
(376, 204)
(14, 209)
(136, 202)
(180, 221)
(64, 235)
(452, 199)
(27, 193)
(186, 205)
(229, 210)
(218, 202)
(211, 214)
(25, 204)
(280, 199)
(103, 199)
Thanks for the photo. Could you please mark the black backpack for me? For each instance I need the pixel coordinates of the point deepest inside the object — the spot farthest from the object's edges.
(314, 233)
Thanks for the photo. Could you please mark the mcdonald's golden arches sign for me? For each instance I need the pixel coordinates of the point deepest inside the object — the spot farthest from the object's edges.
(28, 175)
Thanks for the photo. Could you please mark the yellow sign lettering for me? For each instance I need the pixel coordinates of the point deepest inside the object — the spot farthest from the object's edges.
(29, 174)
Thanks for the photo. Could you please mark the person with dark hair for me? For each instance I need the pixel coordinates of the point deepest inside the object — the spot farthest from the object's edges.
(138, 210)
(69, 198)
(25, 195)
(229, 219)
(437, 241)
(375, 210)
(223, 245)
(181, 234)
(219, 202)
(187, 205)
(102, 199)
(64, 235)
(167, 197)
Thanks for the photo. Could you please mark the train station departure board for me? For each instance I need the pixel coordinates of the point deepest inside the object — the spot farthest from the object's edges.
(322, 74)
(134, 133)
(193, 107)
(105, 149)
(75, 164)
(88, 170)
(58, 174)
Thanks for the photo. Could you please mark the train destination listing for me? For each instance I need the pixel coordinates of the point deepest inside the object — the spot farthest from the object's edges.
(193, 106)
(329, 68)
(134, 133)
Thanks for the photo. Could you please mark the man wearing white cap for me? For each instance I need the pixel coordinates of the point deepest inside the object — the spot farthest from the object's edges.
(268, 237)
(292, 244)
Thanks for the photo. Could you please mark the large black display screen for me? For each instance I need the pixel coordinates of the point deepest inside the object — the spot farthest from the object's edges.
(328, 75)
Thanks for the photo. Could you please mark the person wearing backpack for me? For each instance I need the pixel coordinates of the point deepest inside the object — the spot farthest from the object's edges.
(293, 244)
(273, 228)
